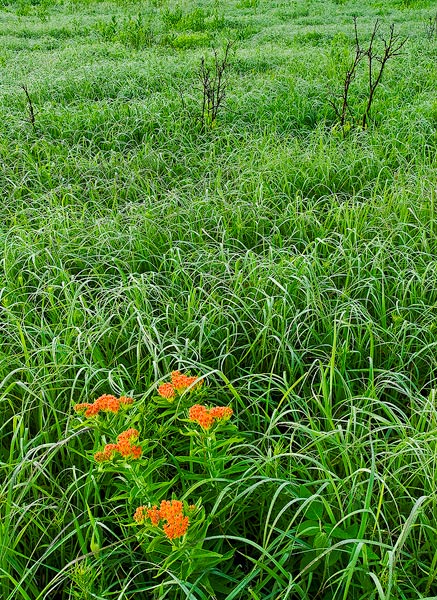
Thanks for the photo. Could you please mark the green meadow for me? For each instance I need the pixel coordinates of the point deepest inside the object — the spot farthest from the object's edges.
(284, 257)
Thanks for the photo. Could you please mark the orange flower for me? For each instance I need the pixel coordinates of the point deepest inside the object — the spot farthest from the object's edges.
(205, 417)
(193, 380)
(178, 380)
(177, 527)
(135, 452)
(171, 511)
(179, 383)
(108, 403)
(92, 411)
(154, 515)
(123, 447)
(107, 454)
(130, 435)
(99, 456)
(200, 414)
(105, 403)
(125, 400)
(166, 390)
(221, 412)
(139, 515)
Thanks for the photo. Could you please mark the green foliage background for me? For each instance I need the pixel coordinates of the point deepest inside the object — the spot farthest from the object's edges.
(293, 265)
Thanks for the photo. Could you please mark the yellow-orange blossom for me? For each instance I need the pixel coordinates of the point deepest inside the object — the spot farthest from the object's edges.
(105, 403)
(206, 417)
(179, 383)
(171, 512)
(124, 446)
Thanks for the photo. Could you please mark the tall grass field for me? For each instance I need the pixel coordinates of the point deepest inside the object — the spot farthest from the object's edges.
(218, 300)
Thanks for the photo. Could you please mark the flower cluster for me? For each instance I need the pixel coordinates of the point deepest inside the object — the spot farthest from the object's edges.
(106, 403)
(124, 446)
(206, 417)
(171, 512)
(179, 383)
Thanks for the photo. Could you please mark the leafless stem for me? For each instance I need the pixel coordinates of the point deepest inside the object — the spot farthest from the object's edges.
(392, 47)
(349, 77)
(214, 84)
(431, 27)
(376, 63)
(29, 106)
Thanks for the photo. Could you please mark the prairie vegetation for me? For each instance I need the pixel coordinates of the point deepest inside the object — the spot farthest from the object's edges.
(276, 250)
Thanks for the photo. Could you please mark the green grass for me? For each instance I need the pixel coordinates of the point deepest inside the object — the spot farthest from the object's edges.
(292, 265)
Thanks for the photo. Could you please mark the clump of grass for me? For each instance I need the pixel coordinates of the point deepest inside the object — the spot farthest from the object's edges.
(134, 32)
(191, 39)
(197, 19)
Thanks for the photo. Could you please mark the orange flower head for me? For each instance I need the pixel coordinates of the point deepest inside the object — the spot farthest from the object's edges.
(154, 515)
(99, 456)
(92, 411)
(82, 407)
(221, 412)
(193, 381)
(125, 400)
(135, 452)
(166, 390)
(123, 446)
(179, 381)
(201, 415)
(139, 515)
(196, 411)
(170, 508)
(177, 527)
(105, 403)
(107, 454)
(129, 451)
(108, 403)
(170, 511)
(110, 450)
(130, 435)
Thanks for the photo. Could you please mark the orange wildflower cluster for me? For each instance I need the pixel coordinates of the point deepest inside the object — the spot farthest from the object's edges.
(179, 383)
(106, 403)
(207, 416)
(124, 446)
(170, 511)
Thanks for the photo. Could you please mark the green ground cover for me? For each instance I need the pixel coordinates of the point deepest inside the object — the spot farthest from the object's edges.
(289, 262)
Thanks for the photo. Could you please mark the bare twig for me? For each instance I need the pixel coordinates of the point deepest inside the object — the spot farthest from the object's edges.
(392, 47)
(376, 64)
(350, 76)
(29, 106)
(214, 84)
(431, 27)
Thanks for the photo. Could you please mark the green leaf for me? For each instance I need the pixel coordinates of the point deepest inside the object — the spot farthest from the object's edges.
(308, 528)
(333, 557)
(314, 510)
(156, 545)
(321, 541)
(308, 557)
(341, 533)
(303, 492)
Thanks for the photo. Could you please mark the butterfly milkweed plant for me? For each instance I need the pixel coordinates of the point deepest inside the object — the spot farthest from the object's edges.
(160, 467)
